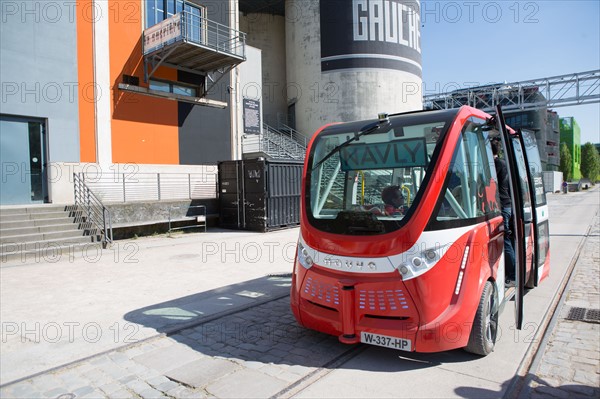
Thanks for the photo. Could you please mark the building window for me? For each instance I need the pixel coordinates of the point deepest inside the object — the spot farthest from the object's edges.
(159, 10)
(160, 86)
(518, 121)
(184, 91)
(174, 88)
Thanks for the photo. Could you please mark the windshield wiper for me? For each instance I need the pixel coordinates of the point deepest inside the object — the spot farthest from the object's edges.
(373, 127)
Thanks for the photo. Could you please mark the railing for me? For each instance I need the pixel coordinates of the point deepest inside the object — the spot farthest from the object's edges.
(293, 134)
(195, 29)
(97, 216)
(136, 186)
(275, 144)
(202, 31)
(284, 142)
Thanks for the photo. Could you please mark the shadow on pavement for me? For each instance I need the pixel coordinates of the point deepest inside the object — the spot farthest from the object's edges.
(267, 332)
(536, 388)
(189, 310)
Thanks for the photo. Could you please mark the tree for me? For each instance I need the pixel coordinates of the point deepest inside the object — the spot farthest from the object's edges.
(590, 162)
(566, 162)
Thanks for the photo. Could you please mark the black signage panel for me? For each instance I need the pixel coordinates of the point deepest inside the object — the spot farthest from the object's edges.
(251, 116)
(370, 34)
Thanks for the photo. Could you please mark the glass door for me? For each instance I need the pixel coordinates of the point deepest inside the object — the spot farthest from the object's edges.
(22, 156)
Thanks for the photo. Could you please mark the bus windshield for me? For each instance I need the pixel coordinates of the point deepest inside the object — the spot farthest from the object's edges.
(370, 185)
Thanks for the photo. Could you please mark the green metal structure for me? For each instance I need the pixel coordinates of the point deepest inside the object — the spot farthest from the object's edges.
(570, 134)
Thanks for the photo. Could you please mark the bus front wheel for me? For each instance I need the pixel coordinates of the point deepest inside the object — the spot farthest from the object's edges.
(485, 326)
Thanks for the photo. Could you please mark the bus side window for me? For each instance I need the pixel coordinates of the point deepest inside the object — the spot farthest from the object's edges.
(482, 161)
(471, 189)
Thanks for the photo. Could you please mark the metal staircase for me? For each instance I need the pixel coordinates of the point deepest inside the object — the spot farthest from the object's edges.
(282, 143)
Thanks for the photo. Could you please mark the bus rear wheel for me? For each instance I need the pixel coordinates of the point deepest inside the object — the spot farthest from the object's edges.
(485, 326)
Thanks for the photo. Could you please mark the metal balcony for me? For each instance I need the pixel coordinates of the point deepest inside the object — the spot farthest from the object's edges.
(192, 43)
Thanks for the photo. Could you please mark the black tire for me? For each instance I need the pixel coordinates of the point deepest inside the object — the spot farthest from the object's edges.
(485, 325)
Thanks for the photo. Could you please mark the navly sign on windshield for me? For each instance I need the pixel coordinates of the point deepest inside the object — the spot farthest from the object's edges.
(370, 34)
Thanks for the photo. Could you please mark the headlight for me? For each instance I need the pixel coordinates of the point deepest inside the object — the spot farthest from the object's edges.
(414, 265)
(304, 258)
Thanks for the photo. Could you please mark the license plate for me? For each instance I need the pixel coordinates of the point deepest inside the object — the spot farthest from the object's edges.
(385, 341)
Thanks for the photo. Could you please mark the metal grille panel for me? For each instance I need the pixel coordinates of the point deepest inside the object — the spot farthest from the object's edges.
(584, 314)
(322, 292)
(382, 300)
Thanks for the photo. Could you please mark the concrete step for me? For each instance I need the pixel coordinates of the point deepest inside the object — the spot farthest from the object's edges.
(5, 211)
(21, 217)
(29, 234)
(38, 229)
(48, 236)
(52, 253)
(36, 223)
(44, 246)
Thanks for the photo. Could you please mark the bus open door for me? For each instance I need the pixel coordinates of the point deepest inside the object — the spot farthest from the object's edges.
(530, 211)
(540, 260)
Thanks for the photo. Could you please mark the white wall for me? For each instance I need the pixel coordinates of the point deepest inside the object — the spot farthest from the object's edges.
(267, 32)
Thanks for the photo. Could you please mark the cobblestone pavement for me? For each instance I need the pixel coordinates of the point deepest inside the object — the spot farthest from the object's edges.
(570, 365)
(261, 351)
(253, 353)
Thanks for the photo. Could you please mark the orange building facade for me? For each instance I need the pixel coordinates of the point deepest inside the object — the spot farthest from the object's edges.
(119, 102)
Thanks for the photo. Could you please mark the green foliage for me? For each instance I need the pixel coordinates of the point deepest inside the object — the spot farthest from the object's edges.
(590, 162)
(566, 162)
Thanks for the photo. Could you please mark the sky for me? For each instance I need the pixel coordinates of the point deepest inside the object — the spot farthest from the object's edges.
(469, 43)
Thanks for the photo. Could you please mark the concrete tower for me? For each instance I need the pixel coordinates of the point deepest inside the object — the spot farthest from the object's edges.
(351, 59)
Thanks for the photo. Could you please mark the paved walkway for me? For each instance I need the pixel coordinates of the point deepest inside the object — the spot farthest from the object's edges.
(260, 350)
(568, 362)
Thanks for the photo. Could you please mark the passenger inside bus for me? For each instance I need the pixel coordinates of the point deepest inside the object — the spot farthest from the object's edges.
(394, 200)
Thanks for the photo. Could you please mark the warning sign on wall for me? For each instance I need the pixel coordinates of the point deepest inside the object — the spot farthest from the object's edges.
(251, 116)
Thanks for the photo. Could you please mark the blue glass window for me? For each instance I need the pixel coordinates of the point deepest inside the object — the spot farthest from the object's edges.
(160, 86)
(159, 10)
(175, 88)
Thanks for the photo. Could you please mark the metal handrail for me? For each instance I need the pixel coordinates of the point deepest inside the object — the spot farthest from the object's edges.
(286, 145)
(201, 31)
(274, 143)
(96, 214)
(293, 134)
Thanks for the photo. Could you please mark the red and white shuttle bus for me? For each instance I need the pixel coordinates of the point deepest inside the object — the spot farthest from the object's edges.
(427, 275)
